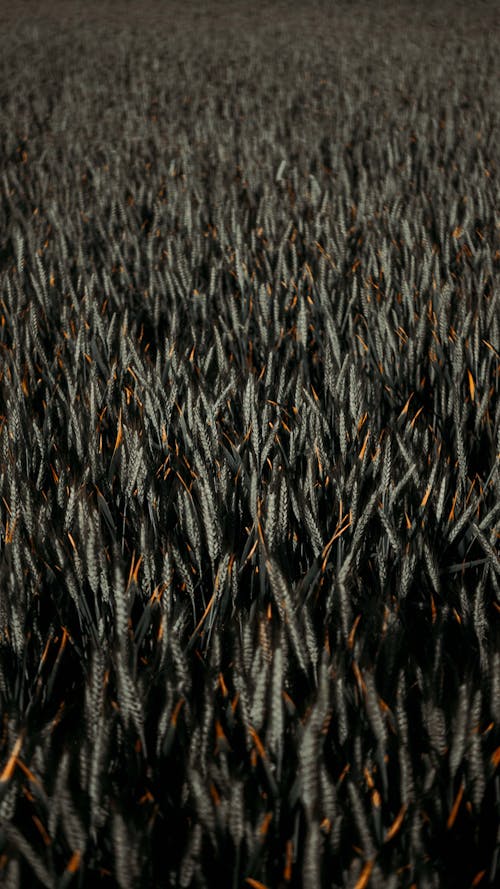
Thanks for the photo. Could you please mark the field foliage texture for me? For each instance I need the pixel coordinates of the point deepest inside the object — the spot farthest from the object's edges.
(249, 446)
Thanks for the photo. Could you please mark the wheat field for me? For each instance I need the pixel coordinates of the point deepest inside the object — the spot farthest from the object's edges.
(249, 445)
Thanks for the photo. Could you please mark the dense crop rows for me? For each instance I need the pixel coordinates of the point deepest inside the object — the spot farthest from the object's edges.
(250, 427)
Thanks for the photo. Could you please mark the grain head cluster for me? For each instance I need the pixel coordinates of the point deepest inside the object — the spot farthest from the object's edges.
(249, 445)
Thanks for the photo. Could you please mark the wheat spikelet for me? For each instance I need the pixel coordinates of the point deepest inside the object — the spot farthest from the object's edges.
(244, 705)
(407, 569)
(237, 812)
(312, 527)
(432, 568)
(495, 684)
(210, 520)
(340, 714)
(268, 444)
(308, 760)
(271, 516)
(284, 604)
(192, 855)
(185, 575)
(129, 699)
(205, 735)
(120, 605)
(91, 562)
(276, 721)
(73, 828)
(441, 498)
(390, 531)
(203, 806)
(436, 726)
(311, 869)
(373, 710)
(457, 526)
(124, 852)
(361, 820)
(257, 709)
(475, 759)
